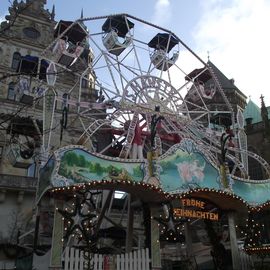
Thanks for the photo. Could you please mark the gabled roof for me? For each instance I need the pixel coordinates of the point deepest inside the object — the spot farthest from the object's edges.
(226, 83)
(253, 111)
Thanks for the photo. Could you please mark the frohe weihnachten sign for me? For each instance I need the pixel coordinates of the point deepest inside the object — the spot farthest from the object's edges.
(193, 208)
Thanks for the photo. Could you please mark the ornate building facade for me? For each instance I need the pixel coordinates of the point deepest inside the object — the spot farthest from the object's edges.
(28, 30)
(258, 133)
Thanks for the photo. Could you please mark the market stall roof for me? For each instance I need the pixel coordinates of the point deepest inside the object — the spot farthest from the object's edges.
(120, 23)
(162, 40)
(75, 34)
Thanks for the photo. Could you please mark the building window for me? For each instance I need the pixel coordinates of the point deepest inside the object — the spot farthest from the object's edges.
(11, 92)
(1, 152)
(91, 84)
(16, 61)
(31, 32)
(84, 83)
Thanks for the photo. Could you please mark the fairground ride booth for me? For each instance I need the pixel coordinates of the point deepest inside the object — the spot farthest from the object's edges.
(178, 209)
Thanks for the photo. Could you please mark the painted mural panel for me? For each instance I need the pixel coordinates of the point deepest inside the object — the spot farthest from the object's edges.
(186, 169)
(182, 168)
(79, 166)
(253, 192)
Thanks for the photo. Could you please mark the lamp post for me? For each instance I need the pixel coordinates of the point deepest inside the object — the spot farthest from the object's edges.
(223, 164)
(51, 74)
(151, 156)
(153, 130)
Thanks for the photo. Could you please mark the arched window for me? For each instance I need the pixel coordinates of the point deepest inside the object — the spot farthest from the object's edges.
(16, 61)
(84, 83)
(11, 92)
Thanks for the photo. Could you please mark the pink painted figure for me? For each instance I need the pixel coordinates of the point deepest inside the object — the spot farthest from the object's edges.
(191, 171)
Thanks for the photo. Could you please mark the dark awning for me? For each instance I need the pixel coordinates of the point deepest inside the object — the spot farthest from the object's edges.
(120, 23)
(162, 40)
(29, 64)
(24, 126)
(203, 77)
(75, 34)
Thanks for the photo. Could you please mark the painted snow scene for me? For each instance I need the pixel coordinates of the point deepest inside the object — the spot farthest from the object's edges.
(79, 166)
(183, 170)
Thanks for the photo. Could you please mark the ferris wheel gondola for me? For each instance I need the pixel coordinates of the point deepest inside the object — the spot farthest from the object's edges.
(116, 28)
(162, 44)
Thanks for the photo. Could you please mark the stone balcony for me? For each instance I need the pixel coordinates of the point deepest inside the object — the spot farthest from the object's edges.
(18, 182)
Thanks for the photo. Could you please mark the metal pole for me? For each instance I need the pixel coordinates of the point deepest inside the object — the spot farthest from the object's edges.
(233, 241)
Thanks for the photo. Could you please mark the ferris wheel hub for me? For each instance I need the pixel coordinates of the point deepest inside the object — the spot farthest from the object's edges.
(151, 92)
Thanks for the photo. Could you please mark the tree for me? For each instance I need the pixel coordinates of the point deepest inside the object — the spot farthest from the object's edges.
(98, 169)
(82, 161)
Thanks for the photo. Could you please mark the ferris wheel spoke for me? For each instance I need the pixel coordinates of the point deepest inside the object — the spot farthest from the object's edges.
(136, 57)
(96, 61)
(113, 143)
(111, 73)
(128, 68)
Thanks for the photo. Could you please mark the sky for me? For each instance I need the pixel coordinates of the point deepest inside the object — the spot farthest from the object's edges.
(233, 33)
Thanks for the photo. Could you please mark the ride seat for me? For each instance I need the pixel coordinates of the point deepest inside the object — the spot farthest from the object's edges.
(66, 55)
(161, 61)
(112, 43)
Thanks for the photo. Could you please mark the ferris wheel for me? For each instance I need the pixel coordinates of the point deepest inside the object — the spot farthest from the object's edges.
(149, 91)
(143, 72)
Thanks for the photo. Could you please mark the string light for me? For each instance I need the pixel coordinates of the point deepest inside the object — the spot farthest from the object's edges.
(166, 195)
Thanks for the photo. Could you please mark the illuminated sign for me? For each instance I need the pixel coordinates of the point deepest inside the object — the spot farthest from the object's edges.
(193, 212)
